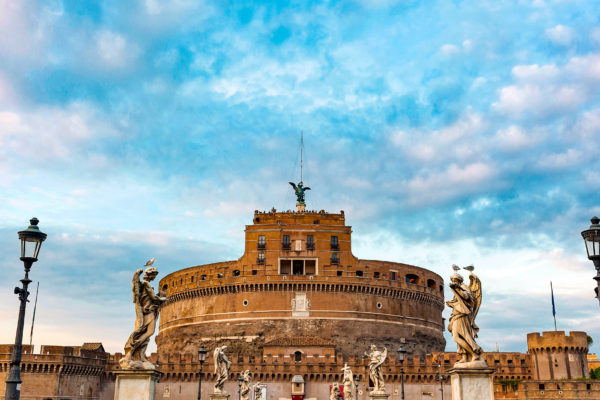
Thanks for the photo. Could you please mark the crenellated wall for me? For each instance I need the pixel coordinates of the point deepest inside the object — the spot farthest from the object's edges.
(559, 356)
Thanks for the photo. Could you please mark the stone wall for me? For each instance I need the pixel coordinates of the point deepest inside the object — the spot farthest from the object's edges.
(559, 356)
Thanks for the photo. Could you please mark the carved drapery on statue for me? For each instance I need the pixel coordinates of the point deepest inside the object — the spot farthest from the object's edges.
(465, 305)
(335, 393)
(348, 382)
(245, 391)
(375, 373)
(147, 305)
(222, 366)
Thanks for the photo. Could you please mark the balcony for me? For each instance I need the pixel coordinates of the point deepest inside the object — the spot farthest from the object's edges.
(310, 246)
(261, 246)
(334, 261)
(286, 246)
(335, 246)
(260, 261)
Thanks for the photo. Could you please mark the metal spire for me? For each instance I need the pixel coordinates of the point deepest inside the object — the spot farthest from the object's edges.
(301, 153)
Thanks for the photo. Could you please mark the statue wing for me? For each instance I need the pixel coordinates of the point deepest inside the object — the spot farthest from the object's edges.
(136, 285)
(294, 186)
(382, 358)
(475, 288)
(307, 188)
(216, 358)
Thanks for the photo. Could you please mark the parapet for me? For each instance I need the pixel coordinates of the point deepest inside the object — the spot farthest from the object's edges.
(557, 340)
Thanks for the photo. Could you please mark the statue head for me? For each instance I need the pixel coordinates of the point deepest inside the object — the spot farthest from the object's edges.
(456, 278)
(373, 347)
(150, 273)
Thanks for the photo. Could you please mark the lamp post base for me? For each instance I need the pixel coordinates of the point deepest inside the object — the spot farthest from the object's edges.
(135, 384)
(219, 396)
(472, 383)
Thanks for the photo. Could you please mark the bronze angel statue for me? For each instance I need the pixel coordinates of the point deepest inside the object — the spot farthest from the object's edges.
(147, 304)
(300, 189)
(375, 373)
(465, 305)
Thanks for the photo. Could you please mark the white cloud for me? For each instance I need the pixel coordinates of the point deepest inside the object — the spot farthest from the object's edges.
(588, 124)
(449, 50)
(560, 35)
(515, 138)
(455, 181)
(560, 160)
(113, 49)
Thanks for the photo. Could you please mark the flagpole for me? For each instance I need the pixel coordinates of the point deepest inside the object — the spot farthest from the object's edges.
(553, 307)
(33, 319)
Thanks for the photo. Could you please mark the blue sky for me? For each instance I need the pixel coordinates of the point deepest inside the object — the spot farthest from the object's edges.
(449, 132)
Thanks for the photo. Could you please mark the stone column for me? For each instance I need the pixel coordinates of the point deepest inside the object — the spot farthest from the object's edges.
(135, 384)
(472, 383)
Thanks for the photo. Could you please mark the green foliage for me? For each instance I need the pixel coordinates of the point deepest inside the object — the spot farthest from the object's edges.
(590, 340)
(512, 384)
(595, 373)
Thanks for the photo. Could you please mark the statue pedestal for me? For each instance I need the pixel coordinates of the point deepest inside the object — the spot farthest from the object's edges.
(472, 383)
(378, 396)
(300, 206)
(219, 396)
(135, 384)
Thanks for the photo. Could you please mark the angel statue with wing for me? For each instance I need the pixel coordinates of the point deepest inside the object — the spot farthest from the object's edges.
(300, 189)
(377, 358)
(222, 366)
(147, 304)
(465, 305)
(245, 388)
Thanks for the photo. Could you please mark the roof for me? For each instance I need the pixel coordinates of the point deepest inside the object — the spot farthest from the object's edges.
(298, 341)
(93, 346)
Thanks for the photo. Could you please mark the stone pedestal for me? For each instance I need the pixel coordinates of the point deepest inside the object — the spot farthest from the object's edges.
(135, 384)
(300, 206)
(472, 383)
(378, 396)
(219, 396)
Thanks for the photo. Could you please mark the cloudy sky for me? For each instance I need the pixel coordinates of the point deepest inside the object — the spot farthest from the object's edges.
(448, 131)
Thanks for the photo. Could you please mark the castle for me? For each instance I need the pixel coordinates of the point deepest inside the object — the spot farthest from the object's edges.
(293, 309)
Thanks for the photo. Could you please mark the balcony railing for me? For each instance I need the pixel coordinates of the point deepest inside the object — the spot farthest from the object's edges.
(261, 246)
(286, 246)
(260, 261)
(335, 261)
(335, 246)
(310, 246)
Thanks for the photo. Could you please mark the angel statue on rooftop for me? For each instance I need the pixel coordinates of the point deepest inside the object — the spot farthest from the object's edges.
(465, 305)
(222, 366)
(147, 305)
(245, 390)
(300, 189)
(377, 358)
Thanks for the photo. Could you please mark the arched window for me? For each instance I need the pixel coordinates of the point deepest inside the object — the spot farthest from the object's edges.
(431, 283)
(236, 272)
(298, 356)
(412, 279)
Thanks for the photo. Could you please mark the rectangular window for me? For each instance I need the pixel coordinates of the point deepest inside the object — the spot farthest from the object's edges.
(334, 258)
(310, 267)
(254, 272)
(334, 243)
(376, 275)
(262, 243)
(285, 267)
(261, 258)
(298, 267)
(310, 242)
(393, 275)
(286, 242)
(340, 273)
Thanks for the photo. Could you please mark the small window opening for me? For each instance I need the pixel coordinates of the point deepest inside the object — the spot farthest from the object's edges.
(254, 272)
(298, 356)
(359, 273)
(340, 273)
(376, 274)
(412, 279)
(236, 272)
(203, 277)
(392, 275)
(219, 275)
(431, 283)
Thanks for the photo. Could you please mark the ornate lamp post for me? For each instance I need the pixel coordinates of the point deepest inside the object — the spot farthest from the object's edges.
(592, 245)
(401, 354)
(356, 381)
(201, 358)
(440, 378)
(31, 242)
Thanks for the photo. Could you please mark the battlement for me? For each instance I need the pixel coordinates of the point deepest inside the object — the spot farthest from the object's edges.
(557, 341)
(291, 217)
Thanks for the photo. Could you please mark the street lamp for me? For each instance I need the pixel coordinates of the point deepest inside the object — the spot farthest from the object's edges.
(31, 242)
(401, 355)
(201, 359)
(440, 378)
(356, 381)
(592, 245)
(240, 388)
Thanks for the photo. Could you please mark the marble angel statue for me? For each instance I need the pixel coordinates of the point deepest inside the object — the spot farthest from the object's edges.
(147, 305)
(375, 373)
(334, 394)
(245, 390)
(465, 305)
(222, 366)
(348, 382)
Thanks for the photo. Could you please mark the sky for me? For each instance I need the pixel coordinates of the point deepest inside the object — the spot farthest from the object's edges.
(450, 132)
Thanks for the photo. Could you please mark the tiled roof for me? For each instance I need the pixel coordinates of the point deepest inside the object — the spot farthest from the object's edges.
(296, 341)
(92, 346)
